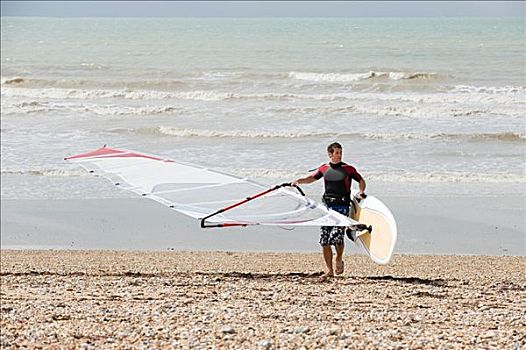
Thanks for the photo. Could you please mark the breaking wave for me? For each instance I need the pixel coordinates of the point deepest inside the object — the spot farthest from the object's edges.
(188, 132)
(504, 136)
(153, 84)
(98, 109)
(456, 94)
(488, 89)
(353, 77)
(263, 173)
(12, 81)
(397, 176)
(462, 101)
(94, 66)
(59, 93)
(45, 172)
(447, 177)
(210, 76)
(264, 134)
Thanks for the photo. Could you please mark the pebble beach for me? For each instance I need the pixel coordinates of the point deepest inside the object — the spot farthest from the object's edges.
(230, 300)
(428, 108)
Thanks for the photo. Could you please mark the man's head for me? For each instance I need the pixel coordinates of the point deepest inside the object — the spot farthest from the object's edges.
(334, 150)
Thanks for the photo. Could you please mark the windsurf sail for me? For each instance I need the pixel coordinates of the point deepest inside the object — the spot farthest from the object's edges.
(214, 198)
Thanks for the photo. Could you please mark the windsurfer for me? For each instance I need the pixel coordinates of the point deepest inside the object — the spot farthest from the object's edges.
(337, 177)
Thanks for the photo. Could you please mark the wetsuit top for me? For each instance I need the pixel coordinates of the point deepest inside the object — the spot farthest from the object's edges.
(338, 178)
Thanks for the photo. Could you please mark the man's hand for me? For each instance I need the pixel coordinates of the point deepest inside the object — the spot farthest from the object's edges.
(361, 195)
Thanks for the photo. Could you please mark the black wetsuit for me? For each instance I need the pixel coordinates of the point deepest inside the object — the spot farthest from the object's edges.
(337, 196)
(338, 178)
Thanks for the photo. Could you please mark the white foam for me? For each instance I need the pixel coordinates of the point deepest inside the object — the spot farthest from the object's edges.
(463, 101)
(217, 75)
(397, 176)
(197, 95)
(207, 133)
(508, 94)
(94, 66)
(447, 177)
(415, 75)
(154, 84)
(257, 133)
(234, 133)
(48, 172)
(98, 109)
(489, 89)
(60, 93)
(503, 136)
(330, 77)
(354, 77)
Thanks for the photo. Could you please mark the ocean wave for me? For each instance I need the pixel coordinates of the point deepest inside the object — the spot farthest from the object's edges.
(197, 95)
(264, 134)
(57, 172)
(283, 174)
(362, 108)
(217, 75)
(151, 84)
(447, 177)
(417, 177)
(12, 81)
(188, 132)
(510, 101)
(94, 66)
(98, 109)
(62, 94)
(170, 82)
(504, 95)
(175, 79)
(411, 76)
(354, 77)
(395, 176)
(404, 109)
(469, 89)
(503, 136)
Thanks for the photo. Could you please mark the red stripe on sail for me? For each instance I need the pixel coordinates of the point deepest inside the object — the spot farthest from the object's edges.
(137, 155)
(98, 152)
(114, 153)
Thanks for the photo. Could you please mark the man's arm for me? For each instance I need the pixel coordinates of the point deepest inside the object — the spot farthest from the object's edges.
(362, 187)
(355, 175)
(304, 180)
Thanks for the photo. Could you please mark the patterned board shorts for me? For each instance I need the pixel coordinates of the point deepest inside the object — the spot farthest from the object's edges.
(333, 235)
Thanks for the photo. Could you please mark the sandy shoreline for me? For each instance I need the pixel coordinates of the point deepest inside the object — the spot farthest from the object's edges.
(110, 299)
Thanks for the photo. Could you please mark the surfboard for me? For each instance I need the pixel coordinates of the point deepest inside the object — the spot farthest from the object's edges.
(380, 242)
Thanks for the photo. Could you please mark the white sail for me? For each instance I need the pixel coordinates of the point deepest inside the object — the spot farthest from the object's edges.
(200, 192)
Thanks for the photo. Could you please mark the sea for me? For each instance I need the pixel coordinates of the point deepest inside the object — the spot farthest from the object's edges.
(422, 106)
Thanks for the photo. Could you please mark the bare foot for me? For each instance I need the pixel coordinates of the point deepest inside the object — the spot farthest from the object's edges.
(339, 267)
(326, 276)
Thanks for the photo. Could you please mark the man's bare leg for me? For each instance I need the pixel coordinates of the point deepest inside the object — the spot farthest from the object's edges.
(327, 256)
(339, 258)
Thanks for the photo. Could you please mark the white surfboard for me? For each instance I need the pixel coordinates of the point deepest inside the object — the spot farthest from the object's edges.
(380, 242)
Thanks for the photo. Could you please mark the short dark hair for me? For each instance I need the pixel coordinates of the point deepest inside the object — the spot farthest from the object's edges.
(333, 146)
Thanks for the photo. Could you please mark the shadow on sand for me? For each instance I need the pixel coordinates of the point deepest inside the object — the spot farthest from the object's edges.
(239, 275)
(411, 280)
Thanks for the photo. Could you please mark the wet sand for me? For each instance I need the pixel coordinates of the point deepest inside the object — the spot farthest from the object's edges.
(131, 299)
(426, 225)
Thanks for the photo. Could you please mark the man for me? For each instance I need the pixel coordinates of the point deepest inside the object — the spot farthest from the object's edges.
(337, 176)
